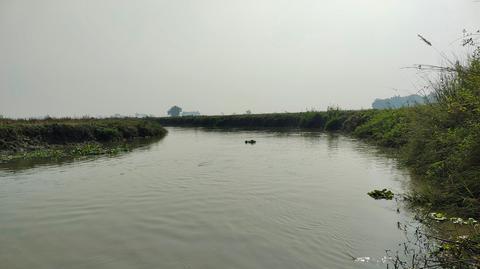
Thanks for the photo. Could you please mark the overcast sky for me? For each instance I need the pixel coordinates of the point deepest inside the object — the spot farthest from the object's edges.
(100, 57)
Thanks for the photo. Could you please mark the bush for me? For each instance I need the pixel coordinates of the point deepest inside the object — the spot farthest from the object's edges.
(107, 134)
(444, 141)
(387, 127)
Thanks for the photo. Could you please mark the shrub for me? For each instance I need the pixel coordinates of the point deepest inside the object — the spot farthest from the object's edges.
(107, 134)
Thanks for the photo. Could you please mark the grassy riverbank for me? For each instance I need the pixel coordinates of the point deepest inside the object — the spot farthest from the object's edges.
(59, 138)
(386, 127)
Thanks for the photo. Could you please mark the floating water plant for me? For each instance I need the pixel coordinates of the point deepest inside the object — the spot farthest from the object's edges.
(469, 221)
(381, 194)
(437, 216)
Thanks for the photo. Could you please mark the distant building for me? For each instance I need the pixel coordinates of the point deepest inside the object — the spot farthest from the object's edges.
(140, 115)
(191, 113)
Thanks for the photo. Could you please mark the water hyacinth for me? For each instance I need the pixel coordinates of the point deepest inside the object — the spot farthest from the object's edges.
(383, 259)
(455, 220)
(381, 194)
(437, 216)
(469, 221)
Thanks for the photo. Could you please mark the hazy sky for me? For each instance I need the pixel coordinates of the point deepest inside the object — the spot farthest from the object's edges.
(100, 57)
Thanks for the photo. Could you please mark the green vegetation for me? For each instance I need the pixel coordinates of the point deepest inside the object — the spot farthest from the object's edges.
(443, 148)
(381, 194)
(60, 138)
(66, 151)
(441, 242)
(332, 120)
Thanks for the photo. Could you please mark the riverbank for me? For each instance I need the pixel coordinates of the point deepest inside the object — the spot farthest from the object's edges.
(385, 127)
(61, 138)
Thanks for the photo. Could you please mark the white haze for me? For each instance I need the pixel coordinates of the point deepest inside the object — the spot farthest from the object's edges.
(100, 57)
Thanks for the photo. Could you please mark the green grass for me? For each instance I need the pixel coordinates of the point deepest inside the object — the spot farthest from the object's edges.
(443, 146)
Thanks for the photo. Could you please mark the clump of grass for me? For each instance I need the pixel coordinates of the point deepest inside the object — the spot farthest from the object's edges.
(381, 194)
(388, 128)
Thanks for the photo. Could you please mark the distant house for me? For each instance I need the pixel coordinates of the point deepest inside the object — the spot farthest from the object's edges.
(140, 115)
(190, 113)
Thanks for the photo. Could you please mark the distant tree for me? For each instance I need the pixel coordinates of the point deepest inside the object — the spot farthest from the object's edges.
(248, 112)
(174, 111)
(402, 101)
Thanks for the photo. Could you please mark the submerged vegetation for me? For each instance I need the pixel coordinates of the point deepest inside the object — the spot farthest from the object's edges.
(67, 151)
(61, 138)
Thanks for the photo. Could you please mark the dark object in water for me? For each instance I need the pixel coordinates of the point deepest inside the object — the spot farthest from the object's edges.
(250, 141)
(383, 194)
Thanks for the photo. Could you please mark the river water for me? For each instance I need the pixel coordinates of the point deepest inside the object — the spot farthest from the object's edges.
(205, 199)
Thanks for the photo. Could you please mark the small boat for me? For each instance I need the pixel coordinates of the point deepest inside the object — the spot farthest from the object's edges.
(250, 141)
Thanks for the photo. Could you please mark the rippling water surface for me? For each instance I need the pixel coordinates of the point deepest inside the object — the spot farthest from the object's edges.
(204, 199)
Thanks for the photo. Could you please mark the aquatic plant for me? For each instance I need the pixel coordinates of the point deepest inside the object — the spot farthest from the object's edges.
(381, 194)
(427, 247)
(438, 216)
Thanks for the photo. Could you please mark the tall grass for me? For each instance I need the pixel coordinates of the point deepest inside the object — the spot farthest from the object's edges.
(444, 141)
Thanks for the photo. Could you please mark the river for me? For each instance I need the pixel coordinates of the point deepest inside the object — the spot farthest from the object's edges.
(204, 199)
